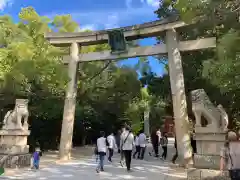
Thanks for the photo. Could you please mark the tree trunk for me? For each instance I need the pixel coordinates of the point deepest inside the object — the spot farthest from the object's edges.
(146, 123)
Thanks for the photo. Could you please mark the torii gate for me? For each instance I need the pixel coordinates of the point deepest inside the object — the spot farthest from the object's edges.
(152, 29)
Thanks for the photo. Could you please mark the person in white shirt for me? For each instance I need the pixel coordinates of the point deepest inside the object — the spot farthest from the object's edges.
(142, 143)
(137, 147)
(111, 146)
(159, 134)
(121, 150)
(127, 142)
(102, 149)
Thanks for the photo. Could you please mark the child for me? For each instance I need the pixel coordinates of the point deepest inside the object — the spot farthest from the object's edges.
(36, 158)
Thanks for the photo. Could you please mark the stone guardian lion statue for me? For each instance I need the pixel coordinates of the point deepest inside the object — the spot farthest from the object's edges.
(13, 118)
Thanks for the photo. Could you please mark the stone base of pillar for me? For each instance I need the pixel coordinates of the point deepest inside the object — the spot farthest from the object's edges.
(207, 161)
(206, 174)
(16, 160)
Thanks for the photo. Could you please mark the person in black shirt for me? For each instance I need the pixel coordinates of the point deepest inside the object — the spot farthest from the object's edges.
(176, 153)
(155, 142)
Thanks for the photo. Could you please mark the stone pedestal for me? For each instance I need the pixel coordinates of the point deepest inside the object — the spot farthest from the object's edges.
(209, 135)
(13, 143)
(206, 174)
(209, 144)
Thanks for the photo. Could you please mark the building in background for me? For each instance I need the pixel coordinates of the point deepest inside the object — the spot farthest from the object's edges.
(168, 126)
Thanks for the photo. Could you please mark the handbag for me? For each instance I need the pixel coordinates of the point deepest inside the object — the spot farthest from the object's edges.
(96, 150)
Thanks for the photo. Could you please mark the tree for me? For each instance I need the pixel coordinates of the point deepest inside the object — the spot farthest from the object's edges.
(32, 68)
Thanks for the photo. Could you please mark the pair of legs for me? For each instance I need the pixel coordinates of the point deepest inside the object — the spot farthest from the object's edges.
(142, 152)
(35, 164)
(234, 174)
(101, 161)
(110, 154)
(175, 157)
(128, 158)
(137, 152)
(122, 157)
(155, 149)
(164, 154)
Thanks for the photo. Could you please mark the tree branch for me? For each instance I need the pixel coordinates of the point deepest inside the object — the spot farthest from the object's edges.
(97, 74)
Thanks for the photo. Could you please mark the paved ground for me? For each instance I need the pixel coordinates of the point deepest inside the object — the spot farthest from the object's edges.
(84, 168)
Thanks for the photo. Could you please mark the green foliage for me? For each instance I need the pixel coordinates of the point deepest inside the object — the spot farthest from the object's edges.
(215, 71)
(30, 67)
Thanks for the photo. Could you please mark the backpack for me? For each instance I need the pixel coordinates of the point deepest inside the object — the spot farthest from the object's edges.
(96, 150)
(161, 141)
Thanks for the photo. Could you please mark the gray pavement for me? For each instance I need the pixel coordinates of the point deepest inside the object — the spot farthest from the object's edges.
(84, 168)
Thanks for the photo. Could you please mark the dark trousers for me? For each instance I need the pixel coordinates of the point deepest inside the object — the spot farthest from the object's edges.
(175, 157)
(164, 154)
(137, 152)
(122, 155)
(128, 158)
(155, 148)
(234, 174)
(142, 150)
(110, 154)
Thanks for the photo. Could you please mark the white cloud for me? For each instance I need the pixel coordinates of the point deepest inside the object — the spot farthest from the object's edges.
(111, 18)
(89, 27)
(128, 3)
(151, 3)
(112, 21)
(5, 3)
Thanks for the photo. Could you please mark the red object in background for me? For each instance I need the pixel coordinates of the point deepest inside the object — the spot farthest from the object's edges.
(168, 126)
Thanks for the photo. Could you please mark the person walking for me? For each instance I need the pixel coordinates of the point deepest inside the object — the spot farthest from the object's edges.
(111, 145)
(142, 144)
(121, 150)
(117, 139)
(164, 144)
(137, 147)
(176, 153)
(155, 142)
(230, 156)
(127, 141)
(101, 149)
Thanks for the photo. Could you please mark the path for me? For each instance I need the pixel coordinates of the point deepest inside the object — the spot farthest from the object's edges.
(84, 168)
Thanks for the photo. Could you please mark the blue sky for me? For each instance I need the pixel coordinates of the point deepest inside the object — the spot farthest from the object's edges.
(95, 15)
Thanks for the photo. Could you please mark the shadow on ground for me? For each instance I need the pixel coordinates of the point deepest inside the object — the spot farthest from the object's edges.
(85, 169)
(83, 165)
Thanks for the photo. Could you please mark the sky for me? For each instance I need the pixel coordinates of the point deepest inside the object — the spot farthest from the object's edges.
(95, 15)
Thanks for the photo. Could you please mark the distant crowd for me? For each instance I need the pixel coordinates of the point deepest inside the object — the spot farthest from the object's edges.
(131, 146)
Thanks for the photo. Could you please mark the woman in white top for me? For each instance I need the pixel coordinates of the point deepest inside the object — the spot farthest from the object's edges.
(101, 148)
(230, 156)
(127, 141)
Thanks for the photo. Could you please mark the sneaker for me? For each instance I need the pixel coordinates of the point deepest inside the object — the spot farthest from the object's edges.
(97, 170)
(121, 163)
